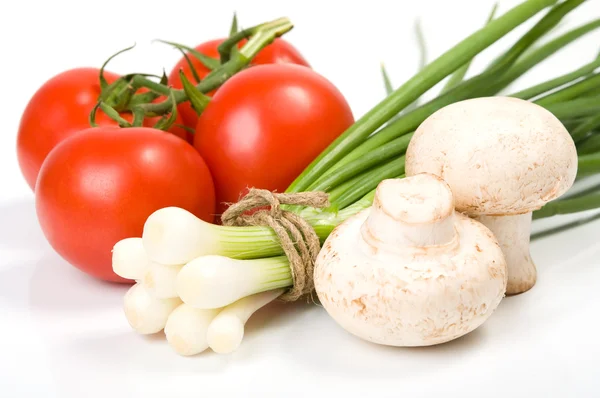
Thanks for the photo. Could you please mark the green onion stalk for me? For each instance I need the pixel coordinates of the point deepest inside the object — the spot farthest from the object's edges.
(373, 148)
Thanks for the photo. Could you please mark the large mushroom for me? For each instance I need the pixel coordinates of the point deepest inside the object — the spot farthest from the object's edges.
(503, 159)
(409, 270)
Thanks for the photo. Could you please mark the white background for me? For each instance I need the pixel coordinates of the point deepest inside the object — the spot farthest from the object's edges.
(63, 334)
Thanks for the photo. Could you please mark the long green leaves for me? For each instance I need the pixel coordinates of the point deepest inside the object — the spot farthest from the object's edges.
(549, 85)
(432, 74)
(458, 76)
(583, 203)
(475, 86)
(538, 55)
(580, 107)
(587, 85)
(392, 150)
(589, 145)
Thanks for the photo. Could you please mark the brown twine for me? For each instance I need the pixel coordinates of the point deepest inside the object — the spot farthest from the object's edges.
(299, 241)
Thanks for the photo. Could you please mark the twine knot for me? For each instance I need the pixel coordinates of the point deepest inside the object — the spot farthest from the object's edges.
(298, 239)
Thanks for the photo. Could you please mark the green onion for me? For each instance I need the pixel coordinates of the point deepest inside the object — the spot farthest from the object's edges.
(567, 206)
(538, 55)
(565, 227)
(588, 125)
(458, 76)
(549, 85)
(474, 87)
(372, 158)
(429, 76)
(588, 165)
(589, 145)
(571, 92)
(367, 153)
(586, 106)
(216, 281)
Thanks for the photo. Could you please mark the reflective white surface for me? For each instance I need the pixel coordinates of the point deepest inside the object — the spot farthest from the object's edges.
(63, 334)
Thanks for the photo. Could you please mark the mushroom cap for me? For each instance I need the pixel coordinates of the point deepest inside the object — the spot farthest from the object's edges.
(408, 295)
(500, 155)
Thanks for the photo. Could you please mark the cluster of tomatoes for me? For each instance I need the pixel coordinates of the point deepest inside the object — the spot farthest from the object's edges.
(97, 185)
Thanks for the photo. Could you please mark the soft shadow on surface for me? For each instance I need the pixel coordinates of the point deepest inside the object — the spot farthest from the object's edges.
(14, 280)
(328, 348)
(141, 353)
(41, 279)
(48, 284)
(19, 228)
(52, 283)
(273, 316)
(311, 339)
(562, 248)
(565, 283)
(57, 286)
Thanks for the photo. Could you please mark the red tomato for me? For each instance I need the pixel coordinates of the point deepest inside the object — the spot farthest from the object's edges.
(265, 125)
(99, 186)
(60, 108)
(278, 52)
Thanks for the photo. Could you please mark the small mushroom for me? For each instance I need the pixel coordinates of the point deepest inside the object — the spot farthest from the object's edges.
(409, 270)
(503, 159)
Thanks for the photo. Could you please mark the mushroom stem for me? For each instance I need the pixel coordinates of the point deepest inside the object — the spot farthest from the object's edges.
(416, 212)
(513, 233)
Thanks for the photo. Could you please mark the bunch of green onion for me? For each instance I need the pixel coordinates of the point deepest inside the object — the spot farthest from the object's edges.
(225, 264)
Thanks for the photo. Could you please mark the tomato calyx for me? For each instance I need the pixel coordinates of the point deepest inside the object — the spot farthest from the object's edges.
(197, 98)
(209, 62)
(121, 96)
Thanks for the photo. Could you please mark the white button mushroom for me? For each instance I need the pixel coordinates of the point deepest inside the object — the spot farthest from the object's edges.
(409, 270)
(503, 158)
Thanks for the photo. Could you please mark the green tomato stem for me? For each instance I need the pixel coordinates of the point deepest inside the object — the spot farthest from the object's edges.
(232, 41)
(263, 35)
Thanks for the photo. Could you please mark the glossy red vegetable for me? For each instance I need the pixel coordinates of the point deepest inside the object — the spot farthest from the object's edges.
(59, 109)
(278, 52)
(100, 185)
(265, 125)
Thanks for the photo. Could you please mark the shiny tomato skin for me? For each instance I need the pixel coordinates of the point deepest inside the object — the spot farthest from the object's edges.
(60, 108)
(278, 52)
(265, 125)
(99, 186)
